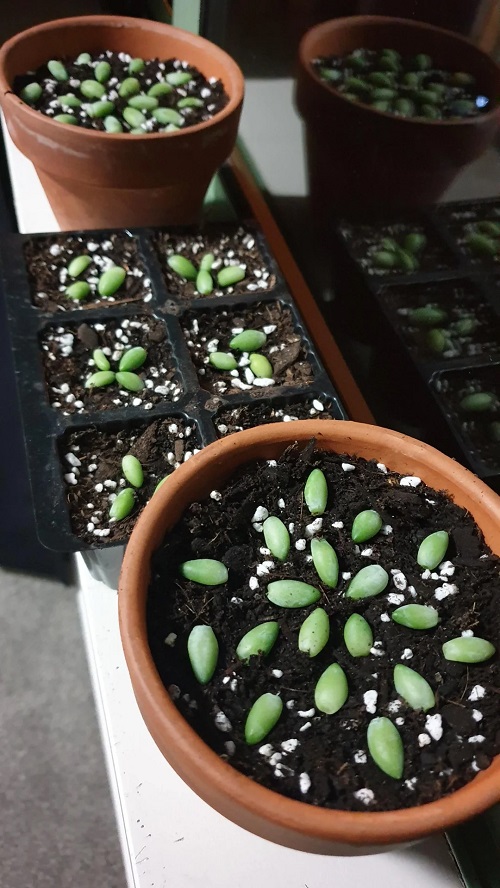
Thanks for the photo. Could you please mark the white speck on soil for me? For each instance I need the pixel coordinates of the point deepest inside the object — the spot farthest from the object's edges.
(410, 481)
(305, 726)
(395, 598)
(171, 639)
(348, 467)
(364, 795)
(386, 529)
(366, 553)
(399, 580)
(467, 633)
(304, 782)
(253, 583)
(266, 750)
(411, 783)
(360, 757)
(477, 693)
(394, 706)
(260, 514)
(216, 495)
(385, 618)
(314, 527)
(477, 738)
(300, 545)
(290, 745)
(222, 722)
(290, 704)
(277, 673)
(407, 654)
(434, 726)
(445, 590)
(476, 715)
(370, 701)
(306, 713)
(423, 740)
(338, 524)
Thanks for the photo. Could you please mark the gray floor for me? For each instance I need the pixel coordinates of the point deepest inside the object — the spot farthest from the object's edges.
(57, 826)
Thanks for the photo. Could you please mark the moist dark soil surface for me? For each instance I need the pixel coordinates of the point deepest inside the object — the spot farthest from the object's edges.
(247, 416)
(210, 331)
(229, 248)
(365, 240)
(469, 328)
(68, 363)
(310, 756)
(210, 92)
(478, 430)
(47, 261)
(91, 460)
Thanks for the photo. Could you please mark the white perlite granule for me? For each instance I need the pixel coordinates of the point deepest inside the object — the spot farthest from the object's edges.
(476, 715)
(477, 693)
(360, 757)
(477, 738)
(407, 654)
(370, 701)
(222, 722)
(260, 514)
(410, 481)
(433, 725)
(304, 783)
(423, 740)
(171, 639)
(445, 590)
(290, 745)
(364, 795)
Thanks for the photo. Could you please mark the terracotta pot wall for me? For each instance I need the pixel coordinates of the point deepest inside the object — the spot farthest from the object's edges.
(75, 164)
(361, 157)
(266, 813)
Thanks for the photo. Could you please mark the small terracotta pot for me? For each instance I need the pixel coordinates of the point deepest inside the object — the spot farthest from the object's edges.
(239, 798)
(100, 180)
(360, 158)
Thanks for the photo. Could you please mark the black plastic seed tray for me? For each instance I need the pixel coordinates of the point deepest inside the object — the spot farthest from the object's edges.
(54, 415)
(378, 309)
(476, 432)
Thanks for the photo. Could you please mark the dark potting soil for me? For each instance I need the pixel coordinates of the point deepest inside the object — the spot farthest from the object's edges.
(406, 86)
(210, 93)
(469, 326)
(210, 331)
(237, 248)
(310, 756)
(68, 363)
(47, 260)
(247, 416)
(91, 460)
(366, 240)
(479, 430)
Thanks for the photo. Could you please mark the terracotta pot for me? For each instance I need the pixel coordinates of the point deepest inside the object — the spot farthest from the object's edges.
(242, 800)
(99, 180)
(360, 158)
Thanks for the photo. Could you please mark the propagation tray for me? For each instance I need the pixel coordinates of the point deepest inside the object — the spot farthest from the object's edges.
(46, 427)
(460, 283)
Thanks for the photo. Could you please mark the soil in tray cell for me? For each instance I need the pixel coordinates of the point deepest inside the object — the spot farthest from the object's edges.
(247, 416)
(397, 248)
(472, 399)
(209, 332)
(69, 362)
(49, 258)
(445, 320)
(320, 758)
(91, 461)
(214, 252)
(475, 228)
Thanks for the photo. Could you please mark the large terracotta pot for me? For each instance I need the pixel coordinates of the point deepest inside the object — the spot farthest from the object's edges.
(252, 806)
(360, 158)
(98, 180)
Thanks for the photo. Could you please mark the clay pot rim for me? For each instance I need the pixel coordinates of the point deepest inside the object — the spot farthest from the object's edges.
(305, 57)
(328, 825)
(119, 21)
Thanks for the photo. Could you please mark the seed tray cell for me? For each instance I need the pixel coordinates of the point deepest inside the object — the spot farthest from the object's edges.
(47, 260)
(234, 417)
(90, 461)
(67, 356)
(241, 246)
(443, 320)
(287, 347)
(459, 220)
(363, 240)
(477, 431)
